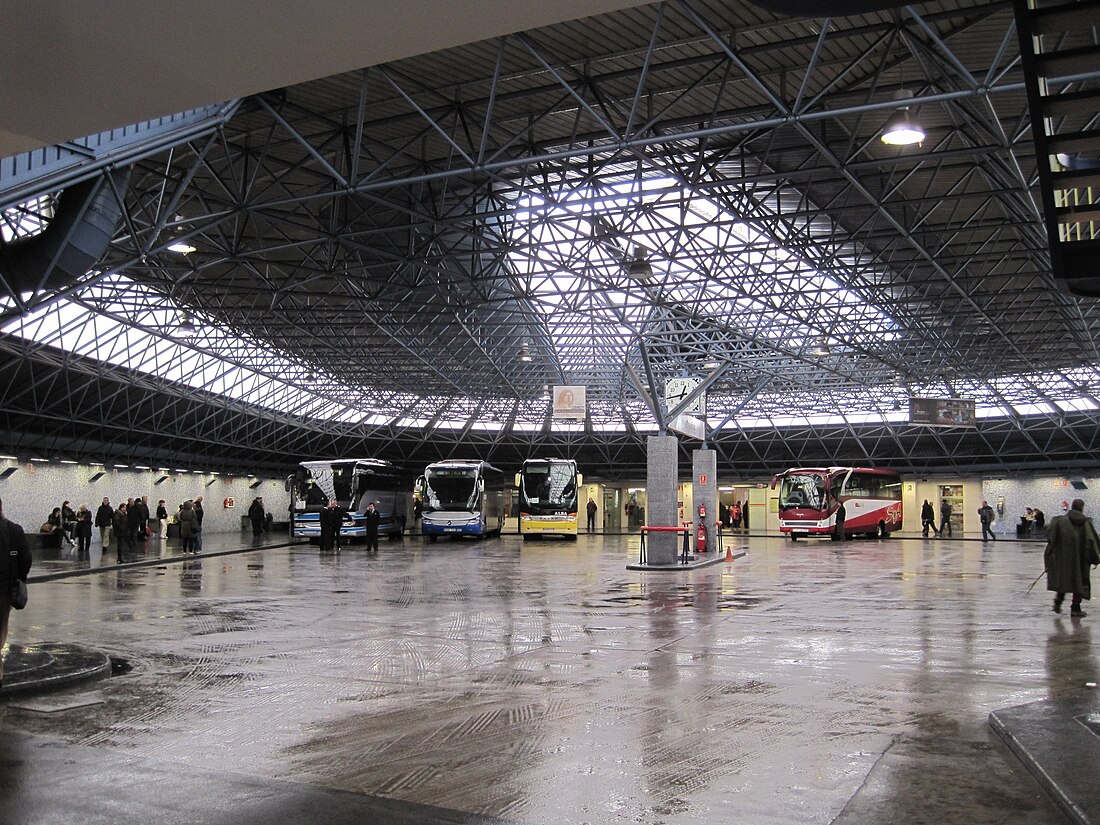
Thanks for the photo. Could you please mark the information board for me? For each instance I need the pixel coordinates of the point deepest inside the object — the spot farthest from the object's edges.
(941, 412)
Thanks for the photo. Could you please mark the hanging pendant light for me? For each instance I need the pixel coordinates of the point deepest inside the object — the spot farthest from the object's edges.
(901, 129)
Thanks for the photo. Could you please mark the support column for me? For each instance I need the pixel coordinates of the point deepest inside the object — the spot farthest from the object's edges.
(704, 490)
(661, 510)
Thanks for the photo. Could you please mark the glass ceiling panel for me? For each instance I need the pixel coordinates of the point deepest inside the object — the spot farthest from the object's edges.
(124, 323)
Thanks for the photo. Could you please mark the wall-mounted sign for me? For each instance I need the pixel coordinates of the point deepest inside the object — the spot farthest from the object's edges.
(689, 425)
(569, 403)
(941, 412)
(229, 502)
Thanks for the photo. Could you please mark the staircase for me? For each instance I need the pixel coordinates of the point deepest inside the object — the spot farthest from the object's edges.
(1060, 50)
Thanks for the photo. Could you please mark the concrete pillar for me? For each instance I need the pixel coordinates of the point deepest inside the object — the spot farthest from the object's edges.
(704, 490)
(661, 511)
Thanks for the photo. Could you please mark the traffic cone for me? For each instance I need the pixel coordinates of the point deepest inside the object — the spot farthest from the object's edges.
(729, 553)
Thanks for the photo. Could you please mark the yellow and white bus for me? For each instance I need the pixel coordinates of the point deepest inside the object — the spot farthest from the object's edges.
(548, 497)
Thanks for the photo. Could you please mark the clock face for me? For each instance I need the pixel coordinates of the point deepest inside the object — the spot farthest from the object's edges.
(677, 389)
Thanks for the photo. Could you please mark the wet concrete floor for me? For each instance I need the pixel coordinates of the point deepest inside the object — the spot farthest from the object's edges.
(806, 682)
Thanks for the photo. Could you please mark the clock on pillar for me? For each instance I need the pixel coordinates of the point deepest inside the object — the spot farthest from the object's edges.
(677, 389)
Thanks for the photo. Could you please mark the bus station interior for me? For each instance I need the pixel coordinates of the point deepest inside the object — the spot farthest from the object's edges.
(686, 245)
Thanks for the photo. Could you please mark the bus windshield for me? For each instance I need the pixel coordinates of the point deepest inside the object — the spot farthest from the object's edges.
(351, 484)
(550, 485)
(802, 490)
(450, 488)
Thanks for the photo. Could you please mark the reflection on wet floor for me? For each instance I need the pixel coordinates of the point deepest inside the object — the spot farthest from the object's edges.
(803, 683)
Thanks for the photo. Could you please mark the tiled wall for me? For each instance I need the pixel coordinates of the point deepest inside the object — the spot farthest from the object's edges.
(34, 489)
(1045, 492)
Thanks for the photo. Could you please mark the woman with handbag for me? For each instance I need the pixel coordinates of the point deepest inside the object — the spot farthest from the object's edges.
(15, 564)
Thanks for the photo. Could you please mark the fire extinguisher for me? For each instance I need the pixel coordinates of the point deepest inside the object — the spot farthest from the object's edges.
(701, 532)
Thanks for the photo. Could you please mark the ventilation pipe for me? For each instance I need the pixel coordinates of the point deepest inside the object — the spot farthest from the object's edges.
(74, 240)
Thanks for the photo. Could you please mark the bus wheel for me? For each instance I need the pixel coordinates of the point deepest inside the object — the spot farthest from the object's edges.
(883, 533)
(431, 539)
(794, 537)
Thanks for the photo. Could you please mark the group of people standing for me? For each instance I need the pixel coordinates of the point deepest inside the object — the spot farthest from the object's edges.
(130, 523)
(332, 519)
(734, 515)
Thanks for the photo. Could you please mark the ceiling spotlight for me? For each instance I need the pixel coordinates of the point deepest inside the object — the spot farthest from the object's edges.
(181, 248)
(711, 364)
(186, 326)
(900, 129)
(639, 269)
(525, 353)
(821, 347)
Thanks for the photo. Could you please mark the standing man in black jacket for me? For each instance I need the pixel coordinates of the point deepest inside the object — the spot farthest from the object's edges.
(104, 518)
(373, 517)
(199, 515)
(256, 515)
(15, 563)
(331, 518)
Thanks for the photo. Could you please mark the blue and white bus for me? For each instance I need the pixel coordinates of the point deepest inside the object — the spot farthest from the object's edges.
(353, 483)
(462, 498)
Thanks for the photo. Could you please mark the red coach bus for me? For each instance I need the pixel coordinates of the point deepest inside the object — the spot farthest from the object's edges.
(809, 497)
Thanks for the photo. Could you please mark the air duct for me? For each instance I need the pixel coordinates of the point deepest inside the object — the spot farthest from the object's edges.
(74, 240)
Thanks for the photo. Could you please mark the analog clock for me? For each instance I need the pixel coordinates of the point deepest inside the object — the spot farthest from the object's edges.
(677, 389)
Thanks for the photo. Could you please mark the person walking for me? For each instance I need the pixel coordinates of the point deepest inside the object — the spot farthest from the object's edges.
(187, 526)
(373, 517)
(591, 508)
(256, 515)
(927, 518)
(83, 529)
(119, 526)
(15, 564)
(104, 518)
(200, 514)
(1072, 546)
(945, 517)
(841, 515)
(985, 515)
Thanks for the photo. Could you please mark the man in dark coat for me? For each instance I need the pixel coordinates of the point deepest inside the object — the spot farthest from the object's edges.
(928, 518)
(331, 518)
(985, 516)
(133, 520)
(841, 515)
(104, 518)
(15, 563)
(373, 517)
(256, 515)
(120, 527)
(1072, 545)
(200, 514)
(945, 517)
